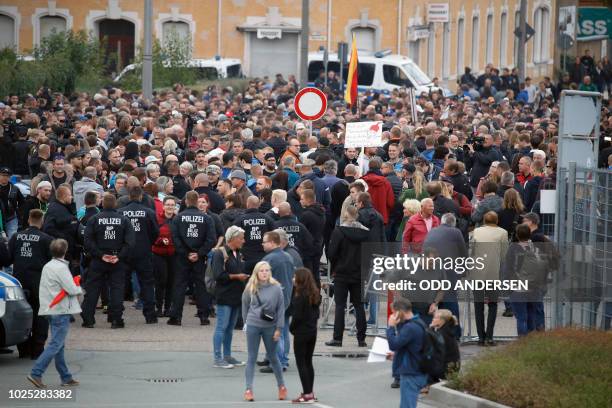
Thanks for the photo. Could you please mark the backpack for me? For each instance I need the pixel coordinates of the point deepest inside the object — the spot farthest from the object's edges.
(533, 266)
(432, 352)
(209, 276)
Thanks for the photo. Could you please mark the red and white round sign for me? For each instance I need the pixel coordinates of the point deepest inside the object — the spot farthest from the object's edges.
(310, 103)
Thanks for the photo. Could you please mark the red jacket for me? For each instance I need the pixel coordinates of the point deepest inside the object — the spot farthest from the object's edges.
(381, 192)
(159, 248)
(415, 232)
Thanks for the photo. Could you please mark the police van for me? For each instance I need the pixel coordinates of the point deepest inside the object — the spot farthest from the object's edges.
(380, 71)
(213, 68)
(15, 312)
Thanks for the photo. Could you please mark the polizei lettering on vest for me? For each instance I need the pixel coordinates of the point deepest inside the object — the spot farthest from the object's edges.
(255, 221)
(109, 221)
(134, 214)
(192, 218)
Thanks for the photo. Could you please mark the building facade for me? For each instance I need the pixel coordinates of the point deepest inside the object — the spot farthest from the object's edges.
(265, 34)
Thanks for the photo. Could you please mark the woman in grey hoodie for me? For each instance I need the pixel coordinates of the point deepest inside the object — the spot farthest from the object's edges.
(263, 311)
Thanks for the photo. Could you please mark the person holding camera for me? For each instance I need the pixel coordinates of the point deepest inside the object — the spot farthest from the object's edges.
(480, 157)
(263, 310)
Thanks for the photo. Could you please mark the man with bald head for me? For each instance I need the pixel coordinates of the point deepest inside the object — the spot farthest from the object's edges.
(255, 225)
(297, 233)
(201, 185)
(133, 182)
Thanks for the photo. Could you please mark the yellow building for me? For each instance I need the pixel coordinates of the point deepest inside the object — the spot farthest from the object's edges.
(264, 34)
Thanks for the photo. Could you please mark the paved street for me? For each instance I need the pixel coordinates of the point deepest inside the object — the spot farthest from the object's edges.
(162, 366)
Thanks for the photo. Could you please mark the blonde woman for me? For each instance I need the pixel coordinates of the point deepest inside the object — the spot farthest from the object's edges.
(263, 311)
(411, 207)
(418, 190)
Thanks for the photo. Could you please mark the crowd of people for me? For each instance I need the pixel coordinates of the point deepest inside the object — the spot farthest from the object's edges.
(224, 199)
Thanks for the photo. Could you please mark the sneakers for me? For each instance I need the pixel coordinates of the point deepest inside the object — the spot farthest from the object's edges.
(173, 322)
(222, 364)
(362, 343)
(36, 381)
(248, 396)
(71, 383)
(395, 383)
(87, 325)
(263, 363)
(282, 393)
(204, 321)
(304, 399)
(333, 343)
(118, 324)
(234, 362)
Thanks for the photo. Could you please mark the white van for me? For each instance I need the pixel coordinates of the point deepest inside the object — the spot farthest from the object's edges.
(381, 71)
(213, 68)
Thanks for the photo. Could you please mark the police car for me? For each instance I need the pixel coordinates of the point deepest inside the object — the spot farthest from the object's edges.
(15, 312)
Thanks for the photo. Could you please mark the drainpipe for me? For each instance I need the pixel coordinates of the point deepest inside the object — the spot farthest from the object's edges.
(329, 24)
(219, 2)
(399, 26)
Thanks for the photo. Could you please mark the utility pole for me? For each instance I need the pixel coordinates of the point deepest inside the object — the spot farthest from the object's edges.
(304, 43)
(522, 40)
(147, 60)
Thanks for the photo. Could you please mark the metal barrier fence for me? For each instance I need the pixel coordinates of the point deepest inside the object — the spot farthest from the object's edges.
(582, 289)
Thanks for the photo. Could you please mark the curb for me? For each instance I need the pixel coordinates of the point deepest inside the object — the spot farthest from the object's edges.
(457, 399)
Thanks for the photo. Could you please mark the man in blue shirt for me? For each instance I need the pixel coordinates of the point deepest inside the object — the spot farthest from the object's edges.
(405, 336)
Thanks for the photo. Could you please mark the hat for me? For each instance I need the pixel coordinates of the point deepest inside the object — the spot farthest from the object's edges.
(43, 184)
(151, 159)
(214, 169)
(307, 163)
(269, 156)
(239, 174)
(299, 126)
(74, 155)
(222, 117)
(5, 170)
(275, 129)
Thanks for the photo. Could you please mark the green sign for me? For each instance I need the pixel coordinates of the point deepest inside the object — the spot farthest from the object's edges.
(594, 23)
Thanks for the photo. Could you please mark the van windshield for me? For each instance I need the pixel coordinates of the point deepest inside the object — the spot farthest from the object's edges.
(415, 73)
(234, 71)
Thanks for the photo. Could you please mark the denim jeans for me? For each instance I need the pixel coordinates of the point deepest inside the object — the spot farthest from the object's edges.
(284, 344)
(524, 312)
(224, 329)
(410, 387)
(373, 301)
(59, 325)
(254, 335)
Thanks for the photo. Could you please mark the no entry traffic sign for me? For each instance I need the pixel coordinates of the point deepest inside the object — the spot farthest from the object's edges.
(310, 103)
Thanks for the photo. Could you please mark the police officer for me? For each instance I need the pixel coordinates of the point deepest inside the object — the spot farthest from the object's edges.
(255, 225)
(298, 235)
(11, 201)
(29, 250)
(193, 233)
(109, 240)
(146, 232)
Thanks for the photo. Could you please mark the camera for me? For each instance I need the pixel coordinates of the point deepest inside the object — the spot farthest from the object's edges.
(476, 141)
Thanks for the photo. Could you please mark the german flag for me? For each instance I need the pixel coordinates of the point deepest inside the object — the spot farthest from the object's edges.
(350, 95)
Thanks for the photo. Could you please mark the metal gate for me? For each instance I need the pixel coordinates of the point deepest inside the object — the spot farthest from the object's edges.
(582, 288)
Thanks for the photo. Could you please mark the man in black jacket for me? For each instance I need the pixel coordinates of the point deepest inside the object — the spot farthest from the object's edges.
(255, 225)
(370, 218)
(40, 201)
(298, 235)
(480, 158)
(146, 232)
(11, 201)
(193, 234)
(349, 157)
(60, 221)
(442, 205)
(460, 182)
(201, 185)
(29, 250)
(276, 142)
(109, 240)
(313, 218)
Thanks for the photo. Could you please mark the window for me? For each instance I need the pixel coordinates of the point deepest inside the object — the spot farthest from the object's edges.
(489, 44)
(394, 75)
(50, 25)
(365, 37)
(7, 32)
(316, 67)
(414, 49)
(415, 73)
(517, 23)
(460, 45)
(234, 71)
(475, 43)
(365, 74)
(431, 50)
(446, 50)
(503, 40)
(176, 29)
(542, 33)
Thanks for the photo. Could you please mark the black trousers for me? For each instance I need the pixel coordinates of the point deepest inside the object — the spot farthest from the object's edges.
(99, 275)
(186, 270)
(164, 281)
(341, 292)
(314, 264)
(144, 272)
(303, 348)
(35, 343)
(479, 303)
